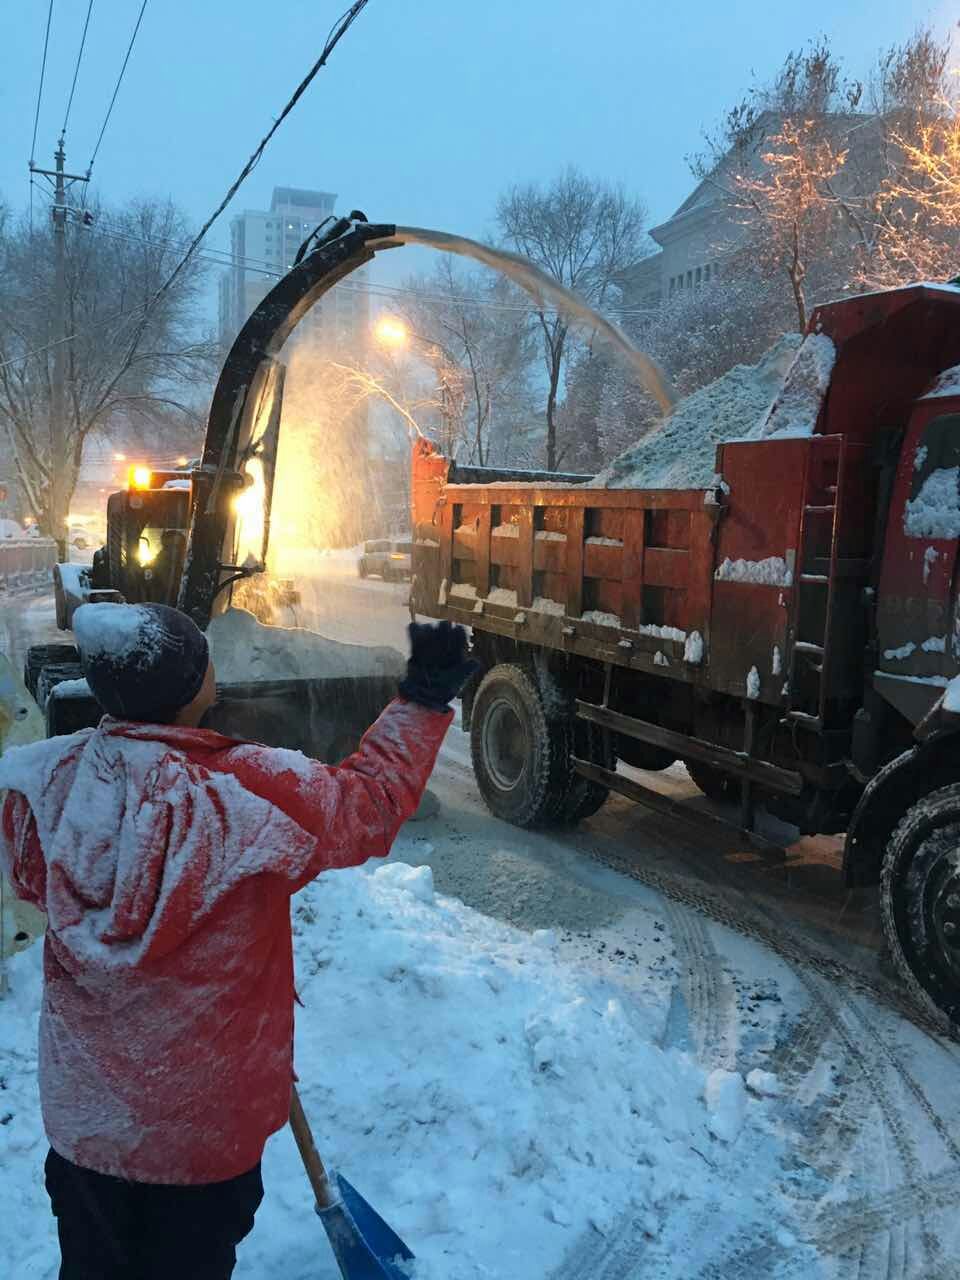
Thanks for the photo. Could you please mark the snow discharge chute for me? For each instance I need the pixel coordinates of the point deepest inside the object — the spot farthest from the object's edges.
(241, 411)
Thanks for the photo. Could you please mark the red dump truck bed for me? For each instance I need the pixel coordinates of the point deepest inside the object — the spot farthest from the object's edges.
(684, 584)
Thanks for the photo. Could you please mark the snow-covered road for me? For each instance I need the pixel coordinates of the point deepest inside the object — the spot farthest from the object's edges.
(608, 1150)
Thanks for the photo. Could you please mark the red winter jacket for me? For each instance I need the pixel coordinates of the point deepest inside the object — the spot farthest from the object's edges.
(165, 858)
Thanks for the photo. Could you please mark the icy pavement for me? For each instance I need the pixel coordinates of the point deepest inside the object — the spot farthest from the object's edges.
(515, 1066)
(569, 1100)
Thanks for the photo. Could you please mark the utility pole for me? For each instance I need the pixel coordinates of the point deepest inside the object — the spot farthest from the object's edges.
(60, 181)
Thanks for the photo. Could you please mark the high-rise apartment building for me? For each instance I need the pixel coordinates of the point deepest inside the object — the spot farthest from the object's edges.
(264, 245)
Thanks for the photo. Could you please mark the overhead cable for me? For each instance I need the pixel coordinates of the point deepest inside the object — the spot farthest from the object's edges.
(337, 32)
(43, 69)
(76, 70)
(116, 88)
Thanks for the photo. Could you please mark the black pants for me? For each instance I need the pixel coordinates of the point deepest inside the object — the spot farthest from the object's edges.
(115, 1230)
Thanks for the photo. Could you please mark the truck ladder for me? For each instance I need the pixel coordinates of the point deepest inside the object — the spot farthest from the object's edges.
(809, 666)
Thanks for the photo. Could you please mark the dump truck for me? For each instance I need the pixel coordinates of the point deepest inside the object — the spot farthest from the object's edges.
(789, 633)
(198, 537)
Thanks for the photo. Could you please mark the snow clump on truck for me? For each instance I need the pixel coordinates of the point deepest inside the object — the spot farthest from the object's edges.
(780, 395)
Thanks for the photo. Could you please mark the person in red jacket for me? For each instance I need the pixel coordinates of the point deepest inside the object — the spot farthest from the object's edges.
(165, 856)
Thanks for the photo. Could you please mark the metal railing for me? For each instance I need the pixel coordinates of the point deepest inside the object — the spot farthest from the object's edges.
(26, 564)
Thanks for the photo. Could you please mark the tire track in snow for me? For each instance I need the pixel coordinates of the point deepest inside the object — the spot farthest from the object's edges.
(870, 1056)
(707, 996)
(757, 924)
(843, 1225)
(864, 1048)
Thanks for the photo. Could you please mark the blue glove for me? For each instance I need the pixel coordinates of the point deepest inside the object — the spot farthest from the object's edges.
(439, 666)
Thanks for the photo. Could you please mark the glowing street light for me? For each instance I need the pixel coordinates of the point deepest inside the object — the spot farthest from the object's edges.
(119, 457)
(391, 332)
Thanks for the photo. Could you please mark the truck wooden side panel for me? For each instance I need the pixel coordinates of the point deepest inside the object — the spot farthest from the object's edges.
(619, 574)
(699, 586)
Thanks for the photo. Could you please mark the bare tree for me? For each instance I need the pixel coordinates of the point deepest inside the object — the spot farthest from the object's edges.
(779, 160)
(473, 330)
(584, 233)
(910, 229)
(117, 364)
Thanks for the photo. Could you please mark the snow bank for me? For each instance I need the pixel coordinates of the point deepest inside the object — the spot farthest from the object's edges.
(243, 649)
(488, 1098)
(681, 452)
(935, 511)
(726, 1100)
(794, 410)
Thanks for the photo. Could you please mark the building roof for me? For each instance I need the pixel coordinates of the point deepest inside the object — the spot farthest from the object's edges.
(300, 198)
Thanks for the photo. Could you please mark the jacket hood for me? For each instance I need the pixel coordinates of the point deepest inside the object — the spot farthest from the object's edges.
(140, 842)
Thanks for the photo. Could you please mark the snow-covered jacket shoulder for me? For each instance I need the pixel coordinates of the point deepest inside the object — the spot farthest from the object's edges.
(165, 858)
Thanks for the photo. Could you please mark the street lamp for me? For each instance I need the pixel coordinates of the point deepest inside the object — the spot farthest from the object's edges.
(391, 332)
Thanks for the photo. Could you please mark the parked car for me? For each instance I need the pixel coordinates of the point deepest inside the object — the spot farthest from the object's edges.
(388, 558)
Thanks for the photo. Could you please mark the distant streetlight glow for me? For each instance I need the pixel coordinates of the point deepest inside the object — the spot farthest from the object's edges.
(119, 457)
(391, 332)
(182, 462)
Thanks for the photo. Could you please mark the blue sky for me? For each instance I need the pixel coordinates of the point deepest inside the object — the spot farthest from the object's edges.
(429, 107)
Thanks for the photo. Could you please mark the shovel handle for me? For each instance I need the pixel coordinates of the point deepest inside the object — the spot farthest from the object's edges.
(322, 1190)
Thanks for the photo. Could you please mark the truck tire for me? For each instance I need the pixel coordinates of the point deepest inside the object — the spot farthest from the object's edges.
(716, 785)
(521, 757)
(44, 655)
(920, 901)
(585, 797)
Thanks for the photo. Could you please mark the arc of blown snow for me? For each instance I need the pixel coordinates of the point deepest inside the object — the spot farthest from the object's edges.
(544, 288)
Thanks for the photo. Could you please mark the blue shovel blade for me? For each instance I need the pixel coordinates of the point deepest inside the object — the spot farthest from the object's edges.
(364, 1246)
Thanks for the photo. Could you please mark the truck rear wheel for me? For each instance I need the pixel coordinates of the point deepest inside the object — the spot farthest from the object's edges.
(920, 900)
(716, 785)
(584, 797)
(521, 757)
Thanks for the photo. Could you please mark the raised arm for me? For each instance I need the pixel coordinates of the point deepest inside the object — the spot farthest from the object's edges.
(355, 809)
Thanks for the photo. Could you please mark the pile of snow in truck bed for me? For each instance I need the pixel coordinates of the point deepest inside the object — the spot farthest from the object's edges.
(244, 649)
(495, 1103)
(780, 395)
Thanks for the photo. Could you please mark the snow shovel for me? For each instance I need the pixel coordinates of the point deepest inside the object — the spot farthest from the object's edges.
(364, 1246)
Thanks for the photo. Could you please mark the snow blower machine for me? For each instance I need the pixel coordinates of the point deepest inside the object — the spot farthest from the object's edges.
(198, 538)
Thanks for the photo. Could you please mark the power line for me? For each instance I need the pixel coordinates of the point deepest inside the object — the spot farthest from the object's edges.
(337, 32)
(116, 88)
(39, 351)
(227, 258)
(76, 69)
(36, 114)
(43, 69)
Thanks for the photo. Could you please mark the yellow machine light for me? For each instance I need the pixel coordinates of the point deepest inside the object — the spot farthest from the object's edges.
(139, 478)
(145, 553)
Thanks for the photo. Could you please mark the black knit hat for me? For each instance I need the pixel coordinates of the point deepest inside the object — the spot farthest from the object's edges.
(141, 661)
